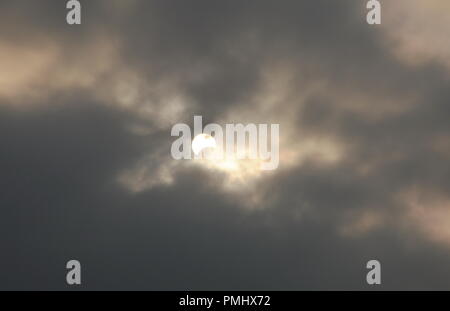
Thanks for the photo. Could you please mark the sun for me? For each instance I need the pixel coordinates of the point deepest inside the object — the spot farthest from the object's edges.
(203, 141)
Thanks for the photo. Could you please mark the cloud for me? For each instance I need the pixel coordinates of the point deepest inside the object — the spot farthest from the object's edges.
(85, 119)
(418, 31)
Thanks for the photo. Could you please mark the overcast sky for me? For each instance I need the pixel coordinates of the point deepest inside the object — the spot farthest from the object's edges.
(86, 172)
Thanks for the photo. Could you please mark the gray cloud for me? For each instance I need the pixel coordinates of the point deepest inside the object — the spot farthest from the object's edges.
(85, 118)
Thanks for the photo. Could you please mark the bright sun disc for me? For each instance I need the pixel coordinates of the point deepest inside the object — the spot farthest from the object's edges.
(203, 141)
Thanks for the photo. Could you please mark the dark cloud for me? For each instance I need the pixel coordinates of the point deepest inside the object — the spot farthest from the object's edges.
(65, 143)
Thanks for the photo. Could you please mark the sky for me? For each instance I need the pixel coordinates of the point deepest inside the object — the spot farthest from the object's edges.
(86, 113)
